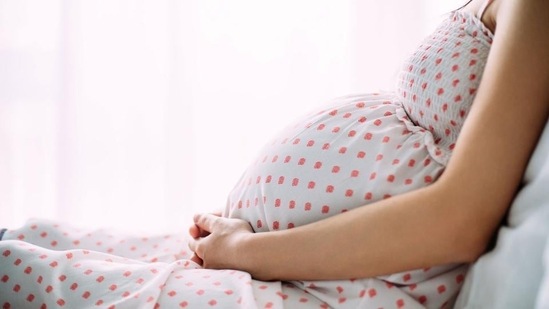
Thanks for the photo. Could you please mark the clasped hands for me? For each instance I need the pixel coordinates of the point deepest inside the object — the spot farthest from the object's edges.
(217, 242)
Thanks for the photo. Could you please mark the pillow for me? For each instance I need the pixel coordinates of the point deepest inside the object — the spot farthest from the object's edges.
(543, 295)
(510, 275)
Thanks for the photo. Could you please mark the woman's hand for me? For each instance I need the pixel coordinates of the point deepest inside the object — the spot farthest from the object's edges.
(216, 240)
(196, 232)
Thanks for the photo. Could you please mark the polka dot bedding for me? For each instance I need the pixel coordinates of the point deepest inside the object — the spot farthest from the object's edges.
(351, 152)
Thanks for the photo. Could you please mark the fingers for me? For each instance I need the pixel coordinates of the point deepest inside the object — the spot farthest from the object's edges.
(217, 213)
(204, 225)
(195, 258)
(193, 245)
(194, 231)
(197, 230)
(205, 222)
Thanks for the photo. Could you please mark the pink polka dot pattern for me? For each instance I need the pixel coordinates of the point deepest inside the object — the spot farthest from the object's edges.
(352, 152)
(438, 83)
(364, 148)
(58, 266)
(359, 150)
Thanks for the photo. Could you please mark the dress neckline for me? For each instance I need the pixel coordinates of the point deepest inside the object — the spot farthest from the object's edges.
(474, 20)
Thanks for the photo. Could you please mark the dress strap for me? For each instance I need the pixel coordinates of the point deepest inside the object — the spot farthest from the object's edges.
(482, 9)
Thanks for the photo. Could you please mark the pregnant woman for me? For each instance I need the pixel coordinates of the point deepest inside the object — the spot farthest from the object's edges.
(373, 201)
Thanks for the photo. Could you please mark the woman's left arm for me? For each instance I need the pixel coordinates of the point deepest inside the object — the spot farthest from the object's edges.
(450, 221)
(508, 115)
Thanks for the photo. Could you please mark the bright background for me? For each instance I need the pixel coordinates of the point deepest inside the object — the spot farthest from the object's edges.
(136, 114)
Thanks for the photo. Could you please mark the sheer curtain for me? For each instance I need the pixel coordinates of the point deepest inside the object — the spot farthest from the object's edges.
(136, 114)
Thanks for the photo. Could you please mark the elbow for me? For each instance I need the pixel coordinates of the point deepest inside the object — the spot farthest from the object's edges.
(472, 238)
(471, 223)
(470, 250)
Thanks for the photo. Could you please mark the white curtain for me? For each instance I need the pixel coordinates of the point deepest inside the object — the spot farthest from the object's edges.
(135, 114)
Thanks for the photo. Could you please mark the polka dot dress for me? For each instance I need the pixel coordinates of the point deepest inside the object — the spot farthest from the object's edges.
(352, 152)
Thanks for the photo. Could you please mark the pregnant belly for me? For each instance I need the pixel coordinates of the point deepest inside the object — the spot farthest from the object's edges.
(356, 151)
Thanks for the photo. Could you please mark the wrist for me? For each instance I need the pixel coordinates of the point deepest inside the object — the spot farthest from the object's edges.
(254, 255)
(245, 253)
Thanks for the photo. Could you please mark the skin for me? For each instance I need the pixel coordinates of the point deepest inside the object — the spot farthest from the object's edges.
(450, 221)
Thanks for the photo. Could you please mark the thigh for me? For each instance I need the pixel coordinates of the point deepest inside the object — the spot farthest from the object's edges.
(32, 276)
(61, 236)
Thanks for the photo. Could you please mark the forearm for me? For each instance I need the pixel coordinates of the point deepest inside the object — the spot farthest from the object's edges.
(414, 230)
